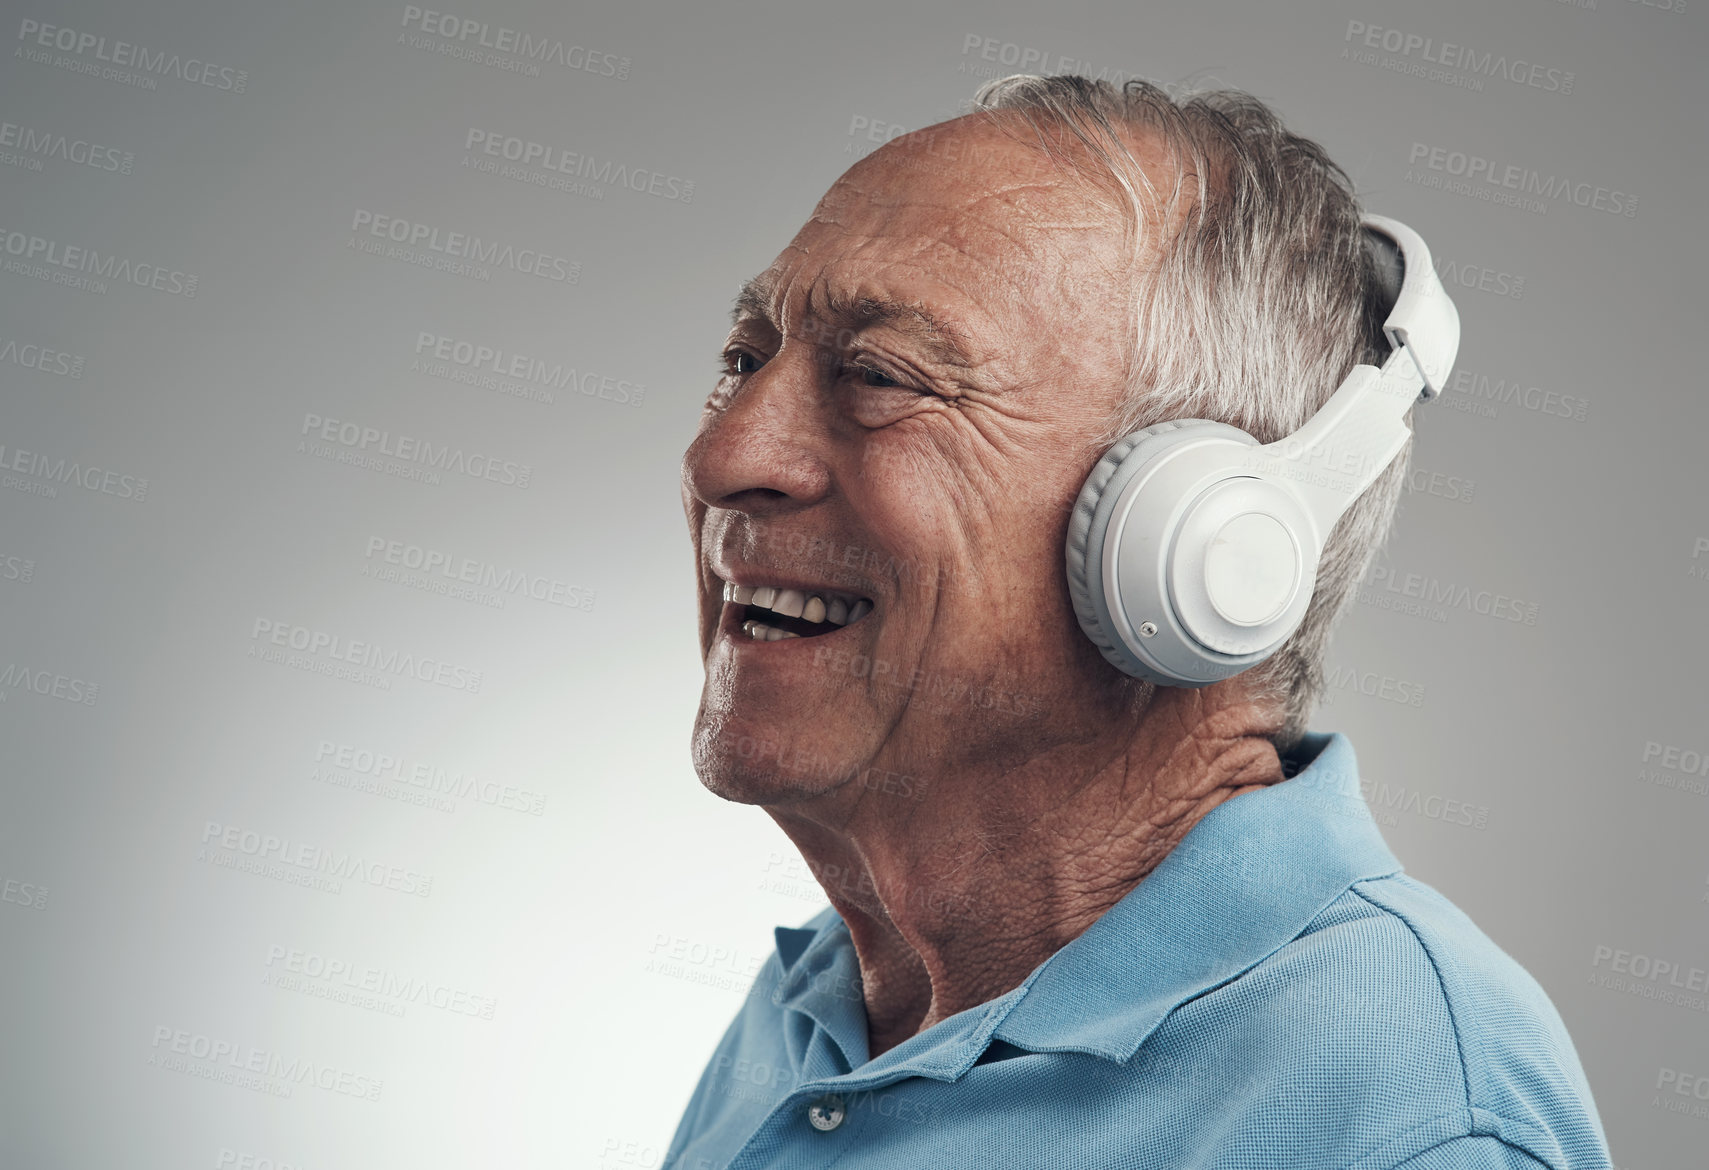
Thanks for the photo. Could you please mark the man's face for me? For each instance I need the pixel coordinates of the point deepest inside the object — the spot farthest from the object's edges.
(901, 429)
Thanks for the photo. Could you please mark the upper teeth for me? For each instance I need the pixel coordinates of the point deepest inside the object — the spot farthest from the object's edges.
(840, 609)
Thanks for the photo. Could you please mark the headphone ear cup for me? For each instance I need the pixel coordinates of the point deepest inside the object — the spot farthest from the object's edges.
(1089, 523)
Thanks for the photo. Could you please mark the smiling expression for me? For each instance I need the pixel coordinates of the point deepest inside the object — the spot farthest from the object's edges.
(878, 489)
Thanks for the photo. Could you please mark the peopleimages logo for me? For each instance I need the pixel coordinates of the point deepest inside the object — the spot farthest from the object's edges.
(1439, 484)
(30, 895)
(462, 36)
(873, 130)
(231, 1159)
(1017, 58)
(16, 678)
(396, 769)
(41, 357)
(1481, 277)
(60, 470)
(88, 268)
(1648, 977)
(508, 580)
(32, 145)
(1462, 58)
(1686, 760)
(311, 859)
(120, 57)
(1480, 393)
(178, 1050)
(16, 568)
(1369, 682)
(340, 979)
(269, 638)
(1671, 766)
(409, 452)
(1488, 175)
(569, 164)
(1682, 1084)
(502, 371)
(461, 246)
(1436, 596)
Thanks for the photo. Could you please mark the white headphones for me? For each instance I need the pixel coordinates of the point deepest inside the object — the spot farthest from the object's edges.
(1192, 551)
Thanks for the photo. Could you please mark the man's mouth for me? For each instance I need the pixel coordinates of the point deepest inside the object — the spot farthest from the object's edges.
(770, 613)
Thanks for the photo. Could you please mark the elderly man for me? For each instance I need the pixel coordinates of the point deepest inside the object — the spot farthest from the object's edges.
(1078, 918)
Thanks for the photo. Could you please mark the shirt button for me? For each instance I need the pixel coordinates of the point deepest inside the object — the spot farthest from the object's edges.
(826, 1113)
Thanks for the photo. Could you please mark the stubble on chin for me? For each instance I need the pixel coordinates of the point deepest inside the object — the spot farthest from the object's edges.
(761, 766)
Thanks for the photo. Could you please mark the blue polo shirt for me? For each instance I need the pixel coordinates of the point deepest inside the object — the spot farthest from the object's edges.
(1276, 993)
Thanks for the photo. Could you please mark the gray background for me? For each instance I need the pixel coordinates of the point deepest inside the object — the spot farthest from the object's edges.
(612, 921)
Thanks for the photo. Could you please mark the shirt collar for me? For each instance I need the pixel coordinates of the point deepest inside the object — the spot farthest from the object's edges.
(820, 978)
(792, 940)
(1245, 880)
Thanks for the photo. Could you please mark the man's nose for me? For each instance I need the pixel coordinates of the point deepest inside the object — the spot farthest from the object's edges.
(764, 453)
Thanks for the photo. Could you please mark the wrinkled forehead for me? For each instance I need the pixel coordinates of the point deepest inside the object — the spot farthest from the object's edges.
(969, 206)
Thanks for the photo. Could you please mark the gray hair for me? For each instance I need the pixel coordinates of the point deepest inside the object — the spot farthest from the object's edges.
(1259, 296)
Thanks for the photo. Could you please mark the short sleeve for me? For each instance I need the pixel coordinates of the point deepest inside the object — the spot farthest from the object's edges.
(1473, 1153)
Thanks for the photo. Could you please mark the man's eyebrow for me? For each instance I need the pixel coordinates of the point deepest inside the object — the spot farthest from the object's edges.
(754, 299)
(942, 341)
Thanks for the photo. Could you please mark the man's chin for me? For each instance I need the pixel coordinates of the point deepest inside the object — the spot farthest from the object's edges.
(752, 766)
(756, 788)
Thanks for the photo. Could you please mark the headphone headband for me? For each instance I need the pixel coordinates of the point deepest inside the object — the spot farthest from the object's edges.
(1423, 321)
(1192, 552)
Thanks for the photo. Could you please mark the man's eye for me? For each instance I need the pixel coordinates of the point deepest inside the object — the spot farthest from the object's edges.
(740, 361)
(877, 379)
